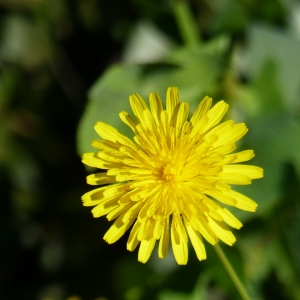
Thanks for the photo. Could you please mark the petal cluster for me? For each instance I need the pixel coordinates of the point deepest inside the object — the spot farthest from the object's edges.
(170, 182)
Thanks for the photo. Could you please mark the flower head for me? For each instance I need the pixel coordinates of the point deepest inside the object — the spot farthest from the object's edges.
(172, 179)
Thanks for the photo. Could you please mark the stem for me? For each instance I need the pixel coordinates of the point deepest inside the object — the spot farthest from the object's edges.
(239, 286)
(185, 21)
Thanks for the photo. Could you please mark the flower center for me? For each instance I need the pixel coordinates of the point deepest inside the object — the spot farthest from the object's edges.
(169, 173)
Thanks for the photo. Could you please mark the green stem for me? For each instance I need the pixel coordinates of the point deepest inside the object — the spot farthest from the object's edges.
(239, 286)
(186, 22)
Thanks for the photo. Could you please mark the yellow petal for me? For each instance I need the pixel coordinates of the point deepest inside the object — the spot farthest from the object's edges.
(225, 149)
(117, 230)
(196, 240)
(131, 212)
(179, 244)
(158, 229)
(109, 133)
(232, 178)
(232, 135)
(146, 249)
(116, 190)
(164, 116)
(101, 210)
(137, 105)
(118, 211)
(100, 178)
(242, 156)
(143, 231)
(156, 107)
(149, 122)
(201, 110)
(201, 183)
(172, 101)
(124, 116)
(94, 197)
(221, 196)
(92, 160)
(243, 202)
(179, 227)
(221, 129)
(105, 145)
(105, 206)
(222, 232)
(206, 231)
(164, 240)
(132, 240)
(229, 218)
(181, 117)
(216, 114)
(252, 172)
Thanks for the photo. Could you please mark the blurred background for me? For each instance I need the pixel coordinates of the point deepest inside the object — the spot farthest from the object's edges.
(66, 64)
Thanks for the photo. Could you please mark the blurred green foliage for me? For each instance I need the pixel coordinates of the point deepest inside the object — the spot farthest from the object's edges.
(64, 65)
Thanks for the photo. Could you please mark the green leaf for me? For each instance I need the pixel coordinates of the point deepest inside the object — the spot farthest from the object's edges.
(230, 16)
(273, 135)
(267, 44)
(276, 142)
(108, 96)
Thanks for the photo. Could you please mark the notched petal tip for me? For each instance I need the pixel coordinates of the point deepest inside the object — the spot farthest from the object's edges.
(262, 173)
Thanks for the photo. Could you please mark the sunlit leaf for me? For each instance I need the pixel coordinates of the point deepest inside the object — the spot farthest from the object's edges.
(267, 44)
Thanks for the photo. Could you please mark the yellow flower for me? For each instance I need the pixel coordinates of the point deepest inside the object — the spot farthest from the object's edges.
(172, 179)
